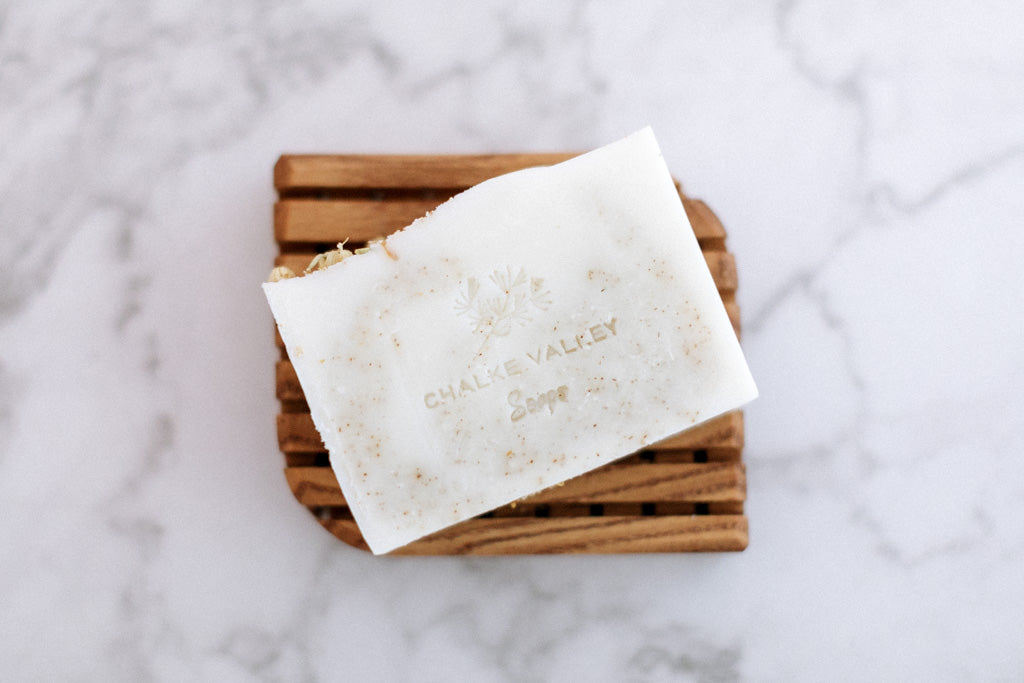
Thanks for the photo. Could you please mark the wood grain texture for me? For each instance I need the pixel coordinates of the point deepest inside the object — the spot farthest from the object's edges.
(724, 431)
(706, 226)
(685, 493)
(613, 483)
(298, 221)
(359, 171)
(530, 535)
(361, 220)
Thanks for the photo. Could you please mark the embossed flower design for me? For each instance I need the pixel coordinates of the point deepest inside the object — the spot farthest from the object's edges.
(505, 304)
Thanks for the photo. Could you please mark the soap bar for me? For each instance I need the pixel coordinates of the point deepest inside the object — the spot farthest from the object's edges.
(537, 326)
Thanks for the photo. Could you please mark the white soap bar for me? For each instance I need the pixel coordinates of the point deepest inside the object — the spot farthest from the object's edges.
(532, 328)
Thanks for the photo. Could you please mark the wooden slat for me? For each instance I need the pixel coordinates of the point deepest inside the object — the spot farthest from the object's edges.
(357, 171)
(638, 482)
(724, 431)
(332, 220)
(532, 535)
(359, 220)
(723, 270)
(315, 486)
(706, 226)
(287, 382)
(297, 434)
(708, 482)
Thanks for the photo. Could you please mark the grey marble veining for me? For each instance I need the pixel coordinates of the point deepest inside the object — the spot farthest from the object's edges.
(867, 160)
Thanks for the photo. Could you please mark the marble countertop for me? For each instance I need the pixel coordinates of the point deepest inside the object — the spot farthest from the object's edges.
(868, 162)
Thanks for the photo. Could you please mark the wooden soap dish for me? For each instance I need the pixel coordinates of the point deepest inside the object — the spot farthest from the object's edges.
(683, 494)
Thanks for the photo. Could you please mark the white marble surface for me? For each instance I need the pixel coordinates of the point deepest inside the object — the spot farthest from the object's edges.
(867, 159)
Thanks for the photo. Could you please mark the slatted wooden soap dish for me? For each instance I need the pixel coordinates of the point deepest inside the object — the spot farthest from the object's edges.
(683, 494)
